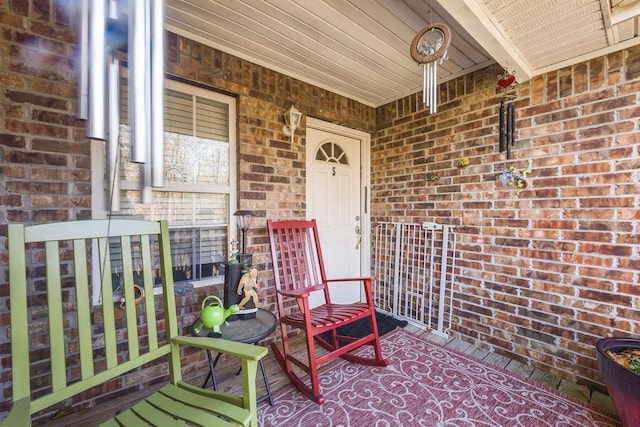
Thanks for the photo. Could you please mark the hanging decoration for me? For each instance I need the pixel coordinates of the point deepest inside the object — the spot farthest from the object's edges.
(462, 162)
(429, 47)
(513, 176)
(107, 30)
(507, 82)
(433, 177)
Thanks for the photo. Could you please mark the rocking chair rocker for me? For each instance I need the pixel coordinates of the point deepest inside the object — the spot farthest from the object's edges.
(298, 271)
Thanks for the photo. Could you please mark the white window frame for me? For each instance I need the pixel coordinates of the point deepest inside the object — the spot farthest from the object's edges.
(99, 182)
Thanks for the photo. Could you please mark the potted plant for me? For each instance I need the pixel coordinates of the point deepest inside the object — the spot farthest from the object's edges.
(620, 366)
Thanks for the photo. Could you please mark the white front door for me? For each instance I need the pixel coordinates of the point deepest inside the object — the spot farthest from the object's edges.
(334, 200)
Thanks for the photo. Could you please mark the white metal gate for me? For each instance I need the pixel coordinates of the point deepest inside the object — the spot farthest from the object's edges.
(415, 271)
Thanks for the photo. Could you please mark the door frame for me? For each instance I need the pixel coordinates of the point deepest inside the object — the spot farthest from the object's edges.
(365, 183)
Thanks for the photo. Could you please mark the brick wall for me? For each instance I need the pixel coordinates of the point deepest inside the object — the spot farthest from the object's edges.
(545, 273)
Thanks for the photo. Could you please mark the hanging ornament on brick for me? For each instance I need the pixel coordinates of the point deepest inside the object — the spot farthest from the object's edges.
(429, 47)
(507, 82)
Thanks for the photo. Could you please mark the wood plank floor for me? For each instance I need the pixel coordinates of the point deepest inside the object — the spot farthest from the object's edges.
(277, 380)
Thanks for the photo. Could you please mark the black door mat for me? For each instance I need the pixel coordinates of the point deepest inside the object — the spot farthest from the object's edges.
(360, 328)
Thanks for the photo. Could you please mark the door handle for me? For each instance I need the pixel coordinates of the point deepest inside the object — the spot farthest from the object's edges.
(359, 234)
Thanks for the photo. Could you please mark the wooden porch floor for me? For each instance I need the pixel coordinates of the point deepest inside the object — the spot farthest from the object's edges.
(277, 380)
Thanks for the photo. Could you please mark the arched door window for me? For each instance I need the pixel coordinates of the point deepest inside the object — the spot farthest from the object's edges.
(333, 153)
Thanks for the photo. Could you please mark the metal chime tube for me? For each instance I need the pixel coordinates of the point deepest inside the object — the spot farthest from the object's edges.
(507, 141)
(157, 93)
(113, 98)
(429, 85)
(83, 60)
(502, 130)
(434, 91)
(138, 73)
(114, 133)
(507, 125)
(510, 125)
(511, 117)
(425, 84)
(96, 128)
(147, 193)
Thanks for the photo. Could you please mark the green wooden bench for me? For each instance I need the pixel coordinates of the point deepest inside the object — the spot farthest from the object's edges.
(54, 322)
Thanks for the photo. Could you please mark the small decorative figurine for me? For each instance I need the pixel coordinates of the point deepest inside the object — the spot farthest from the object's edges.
(234, 252)
(248, 289)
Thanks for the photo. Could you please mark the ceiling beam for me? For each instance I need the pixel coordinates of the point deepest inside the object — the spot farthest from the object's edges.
(606, 18)
(622, 13)
(475, 19)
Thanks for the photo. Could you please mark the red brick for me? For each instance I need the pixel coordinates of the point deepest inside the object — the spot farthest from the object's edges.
(596, 73)
(614, 67)
(633, 63)
(19, 6)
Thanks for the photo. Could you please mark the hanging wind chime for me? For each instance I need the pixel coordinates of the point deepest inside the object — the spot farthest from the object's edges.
(507, 82)
(429, 47)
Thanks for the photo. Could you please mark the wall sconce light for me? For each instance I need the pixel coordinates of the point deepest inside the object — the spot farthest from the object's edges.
(244, 221)
(292, 121)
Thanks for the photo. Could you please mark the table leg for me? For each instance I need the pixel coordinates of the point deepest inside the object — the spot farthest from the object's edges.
(214, 382)
(212, 372)
(266, 384)
(262, 369)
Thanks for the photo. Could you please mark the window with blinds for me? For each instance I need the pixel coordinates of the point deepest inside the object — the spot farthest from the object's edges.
(199, 178)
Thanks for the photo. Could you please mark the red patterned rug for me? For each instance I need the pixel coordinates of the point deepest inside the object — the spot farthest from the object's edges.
(427, 385)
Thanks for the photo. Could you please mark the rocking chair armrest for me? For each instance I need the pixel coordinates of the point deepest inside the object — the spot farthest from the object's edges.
(303, 292)
(352, 279)
(220, 345)
(20, 413)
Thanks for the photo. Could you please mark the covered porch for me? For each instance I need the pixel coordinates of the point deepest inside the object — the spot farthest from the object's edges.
(545, 271)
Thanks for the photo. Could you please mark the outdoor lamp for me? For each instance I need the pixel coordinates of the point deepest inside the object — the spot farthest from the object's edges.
(244, 219)
(292, 121)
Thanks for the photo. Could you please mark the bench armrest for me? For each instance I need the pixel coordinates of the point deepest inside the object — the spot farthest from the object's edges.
(20, 414)
(220, 345)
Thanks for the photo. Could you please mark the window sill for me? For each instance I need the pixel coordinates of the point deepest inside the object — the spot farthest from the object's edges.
(207, 281)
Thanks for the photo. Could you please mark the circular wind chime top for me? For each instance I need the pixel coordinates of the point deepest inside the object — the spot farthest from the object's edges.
(429, 46)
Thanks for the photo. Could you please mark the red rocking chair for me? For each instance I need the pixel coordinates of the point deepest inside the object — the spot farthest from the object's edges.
(299, 270)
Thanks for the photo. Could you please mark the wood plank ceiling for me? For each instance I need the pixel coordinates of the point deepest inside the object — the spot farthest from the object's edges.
(360, 48)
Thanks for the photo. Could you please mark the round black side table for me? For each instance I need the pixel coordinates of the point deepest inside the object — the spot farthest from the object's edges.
(250, 331)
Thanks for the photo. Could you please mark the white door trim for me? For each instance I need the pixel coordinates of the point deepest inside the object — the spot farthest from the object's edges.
(365, 183)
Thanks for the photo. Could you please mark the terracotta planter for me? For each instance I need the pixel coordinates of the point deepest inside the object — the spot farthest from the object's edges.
(623, 384)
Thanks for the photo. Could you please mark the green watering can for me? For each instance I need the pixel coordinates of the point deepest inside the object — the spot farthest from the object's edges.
(214, 314)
